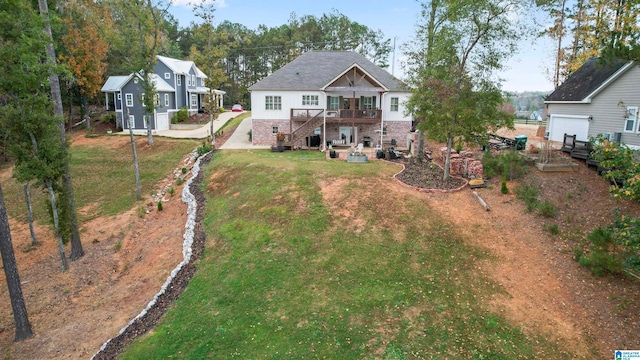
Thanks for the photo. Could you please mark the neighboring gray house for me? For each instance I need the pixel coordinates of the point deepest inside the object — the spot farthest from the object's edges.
(598, 99)
(178, 83)
(339, 95)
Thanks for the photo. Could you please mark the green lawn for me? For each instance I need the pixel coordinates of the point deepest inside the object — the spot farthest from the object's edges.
(103, 177)
(366, 275)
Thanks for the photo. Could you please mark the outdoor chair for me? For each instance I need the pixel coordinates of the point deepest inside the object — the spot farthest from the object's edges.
(393, 154)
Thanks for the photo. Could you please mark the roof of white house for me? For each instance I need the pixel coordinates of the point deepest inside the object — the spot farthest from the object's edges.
(115, 83)
(181, 67)
(314, 70)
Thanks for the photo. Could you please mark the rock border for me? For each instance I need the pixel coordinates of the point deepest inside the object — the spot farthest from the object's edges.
(176, 283)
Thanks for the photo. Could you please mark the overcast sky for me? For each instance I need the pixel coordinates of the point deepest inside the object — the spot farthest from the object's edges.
(396, 19)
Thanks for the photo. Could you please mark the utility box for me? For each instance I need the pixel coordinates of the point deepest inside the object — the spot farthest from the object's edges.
(521, 142)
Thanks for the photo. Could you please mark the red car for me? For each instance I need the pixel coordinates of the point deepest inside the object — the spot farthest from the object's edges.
(236, 107)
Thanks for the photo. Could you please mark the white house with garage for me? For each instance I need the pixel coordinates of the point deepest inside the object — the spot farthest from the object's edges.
(178, 84)
(600, 98)
(337, 98)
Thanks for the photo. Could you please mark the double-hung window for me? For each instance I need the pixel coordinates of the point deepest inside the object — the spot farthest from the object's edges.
(142, 99)
(166, 100)
(310, 100)
(194, 100)
(132, 121)
(334, 102)
(394, 104)
(367, 102)
(631, 120)
(129, 99)
(179, 80)
(272, 102)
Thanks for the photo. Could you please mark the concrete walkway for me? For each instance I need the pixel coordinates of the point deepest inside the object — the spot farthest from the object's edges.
(240, 138)
(201, 132)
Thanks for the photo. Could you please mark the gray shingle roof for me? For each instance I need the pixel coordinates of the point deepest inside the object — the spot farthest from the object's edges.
(589, 77)
(315, 69)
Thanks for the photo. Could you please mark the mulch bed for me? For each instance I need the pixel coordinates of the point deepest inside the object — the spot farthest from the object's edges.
(426, 174)
(146, 322)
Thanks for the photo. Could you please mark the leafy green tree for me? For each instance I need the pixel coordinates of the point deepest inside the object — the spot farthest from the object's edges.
(209, 59)
(459, 46)
(69, 205)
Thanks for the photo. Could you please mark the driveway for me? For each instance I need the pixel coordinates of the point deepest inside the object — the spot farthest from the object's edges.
(201, 132)
(240, 138)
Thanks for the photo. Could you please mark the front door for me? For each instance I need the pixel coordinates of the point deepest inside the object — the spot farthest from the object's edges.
(349, 134)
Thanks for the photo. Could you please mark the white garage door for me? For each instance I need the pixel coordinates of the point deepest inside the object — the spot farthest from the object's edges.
(162, 121)
(568, 124)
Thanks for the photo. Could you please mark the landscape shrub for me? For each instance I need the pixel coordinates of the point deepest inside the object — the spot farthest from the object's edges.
(528, 195)
(203, 149)
(547, 209)
(160, 205)
(614, 248)
(552, 229)
(504, 189)
(623, 168)
(180, 116)
(508, 164)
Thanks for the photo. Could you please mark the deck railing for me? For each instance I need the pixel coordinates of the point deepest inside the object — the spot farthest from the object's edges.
(337, 115)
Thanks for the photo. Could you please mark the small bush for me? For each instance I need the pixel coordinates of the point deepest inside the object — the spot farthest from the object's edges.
(508, 164)
(529, 195)
(141, 211)
(552, 229)
(171, 191)
(547, 209)
(184, 170)
(179, 181)
(180, 116)
(504, 189)
(602, 257)
(160, 205)
(203, 149)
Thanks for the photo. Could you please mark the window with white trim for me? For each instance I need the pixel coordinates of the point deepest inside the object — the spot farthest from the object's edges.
(157, 100)
(145, 121)
(310, 100)
(194, 100)
(394, 104)
(142, 100)
(193, 80)
(631, 117)
(167, 75)
(129, 99)
(119, 96)
(272, 102)
(274, 129)
(179, 80)
(132, 121)
(166, 100)
(384, 131)
(201, 81)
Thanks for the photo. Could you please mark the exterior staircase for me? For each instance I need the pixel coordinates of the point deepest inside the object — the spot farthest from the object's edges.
(305, 130)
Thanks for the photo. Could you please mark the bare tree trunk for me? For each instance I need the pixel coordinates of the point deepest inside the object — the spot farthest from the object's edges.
(135, 160)
(447, 159)
(27, 198)
(67, 187)
(420, 150)
(149, 135)
(20, 316)
(56, 224)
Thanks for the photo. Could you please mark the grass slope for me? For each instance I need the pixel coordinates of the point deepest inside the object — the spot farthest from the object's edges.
(103, 177)
(293, 273)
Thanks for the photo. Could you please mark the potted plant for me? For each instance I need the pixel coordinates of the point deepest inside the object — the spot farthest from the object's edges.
(280, 140)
